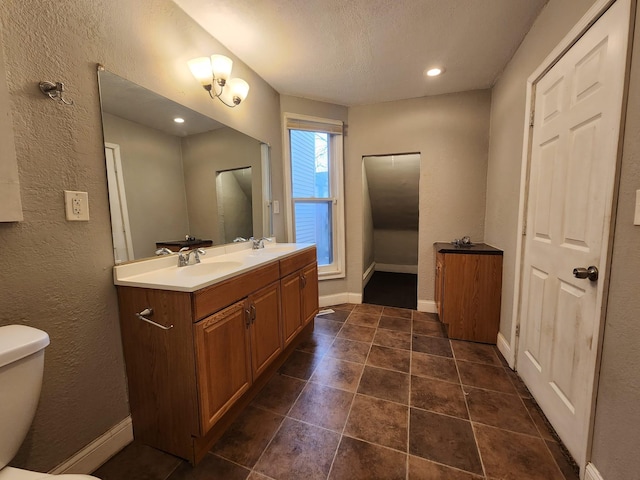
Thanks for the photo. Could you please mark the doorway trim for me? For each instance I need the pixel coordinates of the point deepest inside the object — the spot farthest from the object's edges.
(510, 350)
(118, 199)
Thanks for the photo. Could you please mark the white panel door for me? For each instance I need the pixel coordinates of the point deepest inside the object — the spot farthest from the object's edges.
(120, 229)
(572, 172)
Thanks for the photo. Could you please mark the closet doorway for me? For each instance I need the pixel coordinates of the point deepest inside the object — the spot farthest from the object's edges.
(390, 229)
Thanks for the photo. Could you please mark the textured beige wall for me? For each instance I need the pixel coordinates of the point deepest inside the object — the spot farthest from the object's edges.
(153, 183)
(451, 133)
(203, 155)
(396, 247)
(368, 256)
(616, 433)
(57, 275)
(10, 202)
(507, 133)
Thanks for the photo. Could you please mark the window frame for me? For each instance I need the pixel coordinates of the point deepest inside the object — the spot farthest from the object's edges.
(336, 184)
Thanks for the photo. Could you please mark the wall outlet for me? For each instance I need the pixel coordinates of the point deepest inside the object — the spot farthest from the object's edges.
(636, 219)
(76, 205)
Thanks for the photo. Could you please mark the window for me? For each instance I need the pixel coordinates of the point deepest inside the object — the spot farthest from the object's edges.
(314, 189)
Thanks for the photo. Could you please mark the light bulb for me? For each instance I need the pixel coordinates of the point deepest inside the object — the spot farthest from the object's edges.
(221, 67)
(201, 69)
(239, 89)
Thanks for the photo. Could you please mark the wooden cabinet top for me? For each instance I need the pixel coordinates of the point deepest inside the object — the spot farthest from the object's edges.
(476, 249)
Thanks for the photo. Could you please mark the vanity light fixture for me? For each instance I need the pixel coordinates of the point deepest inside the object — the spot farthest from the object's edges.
(434, 72)
(178, 120)
(214, 74)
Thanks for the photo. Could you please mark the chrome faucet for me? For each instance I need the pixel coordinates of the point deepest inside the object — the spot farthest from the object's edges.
(258, 243)
(239, 239)
(184, 255)
(164, 251)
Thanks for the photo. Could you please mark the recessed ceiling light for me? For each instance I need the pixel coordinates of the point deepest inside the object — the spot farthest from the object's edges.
(434, 72)
(178, 120)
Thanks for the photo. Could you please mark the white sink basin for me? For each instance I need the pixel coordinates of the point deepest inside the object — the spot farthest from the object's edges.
(278, 249)
(210, 268)
(221, 263)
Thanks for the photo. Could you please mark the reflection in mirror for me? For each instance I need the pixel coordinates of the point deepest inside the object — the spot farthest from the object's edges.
(165, 177)
(234, 194)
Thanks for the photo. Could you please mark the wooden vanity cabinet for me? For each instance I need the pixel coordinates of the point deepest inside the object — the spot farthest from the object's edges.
(299, 294)
(223, 353)
(234, 347)
(265, 327)
(187, 382)
(468, 291)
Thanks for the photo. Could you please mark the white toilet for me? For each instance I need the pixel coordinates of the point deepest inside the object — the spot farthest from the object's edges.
(21, 366)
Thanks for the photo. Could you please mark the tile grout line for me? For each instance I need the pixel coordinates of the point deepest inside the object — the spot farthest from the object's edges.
(335, 455)
(541, 437)
(291, 407)
(407, 465)
(464, 395)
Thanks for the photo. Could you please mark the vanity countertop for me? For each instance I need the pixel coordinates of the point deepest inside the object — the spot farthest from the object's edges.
(219, 264)
(477, 248)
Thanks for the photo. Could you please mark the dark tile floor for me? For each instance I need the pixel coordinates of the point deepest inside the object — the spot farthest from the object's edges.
(393, 289)
(376, 393)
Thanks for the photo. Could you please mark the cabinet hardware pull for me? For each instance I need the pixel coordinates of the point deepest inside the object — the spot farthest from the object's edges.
(304, 280)
(247, 314)
(149, 312)
(253, 313)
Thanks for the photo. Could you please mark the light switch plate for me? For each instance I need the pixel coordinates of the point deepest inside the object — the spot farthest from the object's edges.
(76, 206)
(636, 219)
(276, 206)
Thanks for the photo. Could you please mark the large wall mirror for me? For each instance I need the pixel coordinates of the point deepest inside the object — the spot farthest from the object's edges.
(169, 180)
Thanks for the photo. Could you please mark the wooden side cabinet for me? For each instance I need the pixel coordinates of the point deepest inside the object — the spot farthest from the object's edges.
(468, 291)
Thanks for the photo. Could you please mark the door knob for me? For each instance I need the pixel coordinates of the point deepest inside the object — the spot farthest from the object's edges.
(591, 273)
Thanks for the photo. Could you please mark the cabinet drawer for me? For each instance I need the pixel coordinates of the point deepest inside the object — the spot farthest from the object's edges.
(296, 262)
(216, 297)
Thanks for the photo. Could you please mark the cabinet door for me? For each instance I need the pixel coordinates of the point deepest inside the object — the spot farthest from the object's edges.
(472, 288)
(309, 276)
(266, 333)
(439, 293)
(291, 306)
(223, 362)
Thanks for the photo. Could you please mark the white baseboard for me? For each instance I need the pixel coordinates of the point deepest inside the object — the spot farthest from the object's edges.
(99, 451)
(505, 349)
(592, 473)
(354, 298)
(338, 298)
(428, 306)
(388, 267)
(366, 276)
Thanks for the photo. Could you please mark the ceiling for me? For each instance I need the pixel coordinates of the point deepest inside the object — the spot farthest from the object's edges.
(369, 51)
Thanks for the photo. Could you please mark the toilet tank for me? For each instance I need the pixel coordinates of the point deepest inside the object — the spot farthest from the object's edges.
(21, 366)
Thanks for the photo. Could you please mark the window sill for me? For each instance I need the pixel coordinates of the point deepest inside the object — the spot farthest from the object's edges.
(330, 274)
